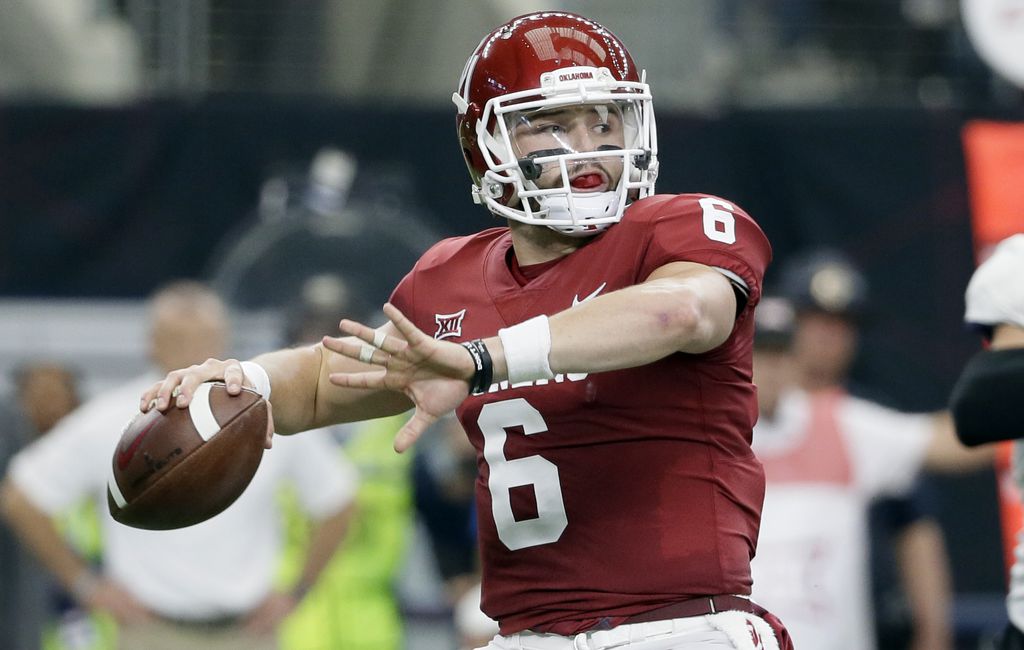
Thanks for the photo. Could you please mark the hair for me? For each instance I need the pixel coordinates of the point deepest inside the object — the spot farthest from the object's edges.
(186, 295)
(189, 323)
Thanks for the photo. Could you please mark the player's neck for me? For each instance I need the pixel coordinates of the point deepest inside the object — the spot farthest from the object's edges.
(538, 244)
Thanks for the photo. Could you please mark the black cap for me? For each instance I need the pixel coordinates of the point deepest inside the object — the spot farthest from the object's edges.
(825, 281)
(774, 323)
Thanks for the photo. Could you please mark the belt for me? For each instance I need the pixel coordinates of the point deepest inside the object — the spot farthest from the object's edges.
(212, 623)
(695, 607)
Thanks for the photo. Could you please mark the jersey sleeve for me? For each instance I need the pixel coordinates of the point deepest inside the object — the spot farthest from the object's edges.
(403, 296)
(712, 231)
(887, 447)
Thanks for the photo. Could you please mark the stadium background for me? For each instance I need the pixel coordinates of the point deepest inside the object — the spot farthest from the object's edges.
(145, 140)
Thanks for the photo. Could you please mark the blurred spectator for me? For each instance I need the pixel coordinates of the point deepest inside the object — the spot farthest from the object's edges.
(826, 455)
(207, 586)
(44, 393)
(75, 50)
(323, 301)
(986, 400)
(444, 480)
(354, 604)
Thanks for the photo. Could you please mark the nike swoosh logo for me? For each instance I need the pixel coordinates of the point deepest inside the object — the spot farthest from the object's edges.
(124, 456)
(576, 299)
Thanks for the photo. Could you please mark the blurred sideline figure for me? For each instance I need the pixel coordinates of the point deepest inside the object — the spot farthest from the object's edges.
(827, 455)
(986, 401)
(444, 472)
(48, 392)
(207, 586)
(44, 392)
(354, 604)
(444, 477)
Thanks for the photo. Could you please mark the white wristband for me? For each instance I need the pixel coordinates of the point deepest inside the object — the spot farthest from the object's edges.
(258, 377)
(527, 346)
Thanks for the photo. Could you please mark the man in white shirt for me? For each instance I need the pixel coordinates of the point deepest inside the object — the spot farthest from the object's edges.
(827, 454)
(207, 586)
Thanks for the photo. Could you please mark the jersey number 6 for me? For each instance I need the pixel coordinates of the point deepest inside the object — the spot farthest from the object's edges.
(506, 474)
(719, 220)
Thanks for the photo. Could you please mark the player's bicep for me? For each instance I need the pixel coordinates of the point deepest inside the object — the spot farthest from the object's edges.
(709, 296)
(716, 233)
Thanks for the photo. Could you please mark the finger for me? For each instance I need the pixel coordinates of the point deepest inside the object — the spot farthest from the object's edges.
(234, 376)
(186, 388)
(406, 328)
(353, 349)
(375, 337)
(412, 430)
(167, 388)
(209, 370)
(356, 329)
(268, 443)
(366, 353)
(372, 380)
(148, 399)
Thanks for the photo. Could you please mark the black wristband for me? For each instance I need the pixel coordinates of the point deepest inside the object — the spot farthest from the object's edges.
(481, 381)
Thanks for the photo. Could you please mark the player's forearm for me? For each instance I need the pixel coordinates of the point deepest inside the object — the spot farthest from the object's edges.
(38, 533)
(637, 325)
(303, 397)
(294, 374)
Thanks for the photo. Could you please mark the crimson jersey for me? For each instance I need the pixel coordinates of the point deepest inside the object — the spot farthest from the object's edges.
(601, 496)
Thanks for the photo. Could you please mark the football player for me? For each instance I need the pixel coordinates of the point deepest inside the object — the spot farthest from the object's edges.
(596, 349)
(986, 399)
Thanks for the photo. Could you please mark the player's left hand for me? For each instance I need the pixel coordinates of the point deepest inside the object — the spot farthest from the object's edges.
(434, 374)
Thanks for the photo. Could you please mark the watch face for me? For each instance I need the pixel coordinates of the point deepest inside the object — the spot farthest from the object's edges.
(996, 28)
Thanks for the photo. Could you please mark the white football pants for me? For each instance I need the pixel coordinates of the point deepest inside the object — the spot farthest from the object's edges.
(721, 631)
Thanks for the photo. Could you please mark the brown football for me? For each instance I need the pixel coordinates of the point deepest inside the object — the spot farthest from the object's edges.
(183, 466)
